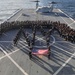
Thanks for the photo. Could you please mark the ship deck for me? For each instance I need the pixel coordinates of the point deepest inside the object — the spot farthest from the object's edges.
(14, 60)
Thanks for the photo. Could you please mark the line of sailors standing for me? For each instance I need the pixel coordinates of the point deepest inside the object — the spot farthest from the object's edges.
(63, 29)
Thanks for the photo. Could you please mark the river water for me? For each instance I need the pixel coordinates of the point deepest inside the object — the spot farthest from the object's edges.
(8, 7)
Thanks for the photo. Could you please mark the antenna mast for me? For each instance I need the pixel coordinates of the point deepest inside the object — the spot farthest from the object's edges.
(37, 3)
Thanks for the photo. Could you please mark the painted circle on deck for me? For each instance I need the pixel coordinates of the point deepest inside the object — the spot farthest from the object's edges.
(44, 42)
(53, 40)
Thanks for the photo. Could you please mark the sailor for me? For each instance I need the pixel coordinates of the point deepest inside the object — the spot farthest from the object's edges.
(74, 38)
(28, 41)
(0, 31)
(24, 34)
(66, 36)
(15, 41)
(49, 52)
(47, 40)
(33, 40)
(30, 55)
(43, 32)
(30, 47)
(69, 37)
(32, 27)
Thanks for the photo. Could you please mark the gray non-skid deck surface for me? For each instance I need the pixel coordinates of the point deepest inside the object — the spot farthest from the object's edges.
(30, 14)
(14, 60)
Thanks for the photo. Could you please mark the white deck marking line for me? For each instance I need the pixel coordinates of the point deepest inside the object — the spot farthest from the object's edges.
(71, 23)
(40, 46)
(25, 47)
(73, 45)
(2, 57)
(63, 19)
(13, 52)
(62, 41)
(67, 15)
(14, 14)
(6, 41)
(62, 49)
(66, 47)
(24, 44)
(64, 64)
(5, 34)
(14, 62)
(23, 40)
(12, 41)
(9, 54)
(18, 17)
